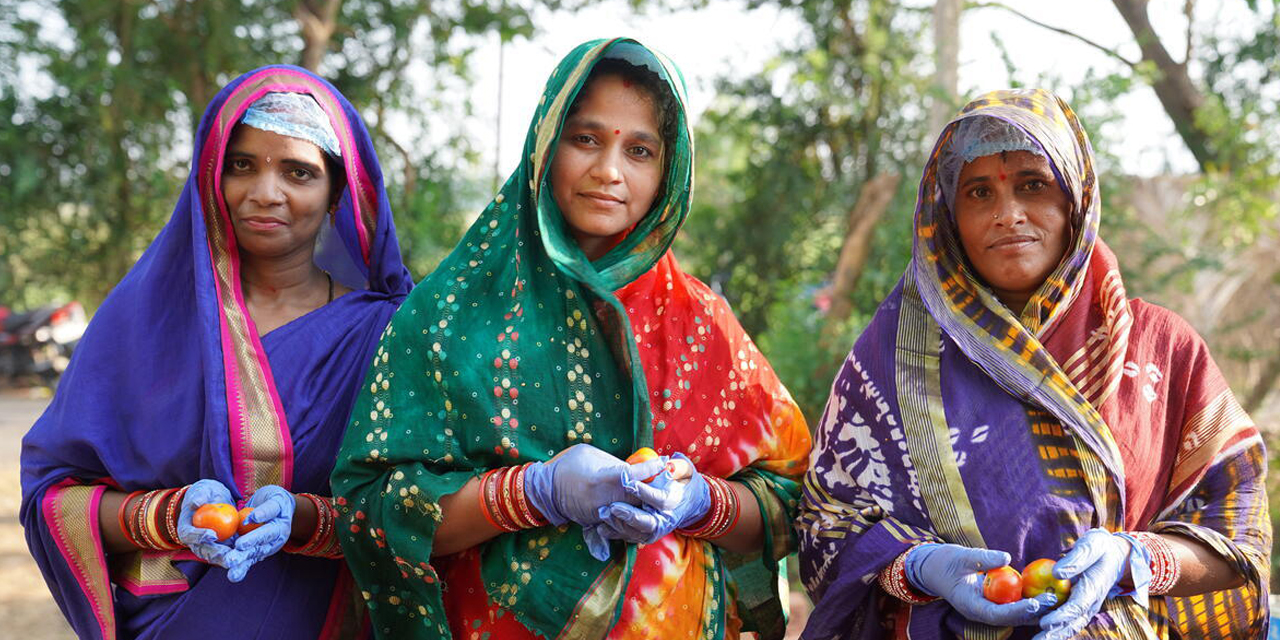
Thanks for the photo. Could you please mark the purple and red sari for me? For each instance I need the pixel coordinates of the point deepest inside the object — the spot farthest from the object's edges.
(954, 421)
(172, 383)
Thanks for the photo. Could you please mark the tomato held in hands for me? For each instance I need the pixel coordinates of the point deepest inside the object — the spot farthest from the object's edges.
(1003, 585)
(246, 527)
(644, 454)
(220, 517)
(1037, 578)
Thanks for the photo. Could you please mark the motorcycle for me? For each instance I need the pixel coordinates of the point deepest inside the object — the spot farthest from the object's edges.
(36, 345)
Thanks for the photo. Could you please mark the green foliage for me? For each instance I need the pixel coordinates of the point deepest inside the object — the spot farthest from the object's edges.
(783, 155)
(103, 97)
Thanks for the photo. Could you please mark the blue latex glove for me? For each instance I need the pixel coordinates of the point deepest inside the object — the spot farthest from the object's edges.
(574, 484)
(1095, 566)
(954, 573)
(273, 506)
(203, 542)
(666, 505)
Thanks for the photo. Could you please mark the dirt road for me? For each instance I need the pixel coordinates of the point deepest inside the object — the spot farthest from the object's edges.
(26, 607)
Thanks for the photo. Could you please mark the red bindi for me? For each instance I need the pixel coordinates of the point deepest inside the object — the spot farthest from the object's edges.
(626, 83)
(1002, 177)
(617, 132)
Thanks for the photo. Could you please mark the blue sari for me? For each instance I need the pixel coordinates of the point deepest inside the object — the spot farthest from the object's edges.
(172, 383)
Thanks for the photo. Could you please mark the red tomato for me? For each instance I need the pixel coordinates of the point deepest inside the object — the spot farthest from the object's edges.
(1037, 578)
(222, 518)
(246, 527)
(644, 454)
(1003, 585)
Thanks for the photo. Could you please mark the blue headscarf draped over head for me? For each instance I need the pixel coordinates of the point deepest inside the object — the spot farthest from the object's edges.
(173, 383)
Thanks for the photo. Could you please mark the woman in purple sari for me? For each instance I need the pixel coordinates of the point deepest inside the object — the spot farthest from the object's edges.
(222, 368)
(1008, 402)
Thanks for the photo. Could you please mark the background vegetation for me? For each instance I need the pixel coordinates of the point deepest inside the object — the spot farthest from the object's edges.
(807, 167)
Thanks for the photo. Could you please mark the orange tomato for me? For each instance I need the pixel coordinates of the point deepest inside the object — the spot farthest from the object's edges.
(246, 527)
(222, 518)
(1003, 585)
(644, 454)
(1037, 578)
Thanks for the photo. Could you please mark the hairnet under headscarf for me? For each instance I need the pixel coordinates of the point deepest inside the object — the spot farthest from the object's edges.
(295, 115)
(974, 138)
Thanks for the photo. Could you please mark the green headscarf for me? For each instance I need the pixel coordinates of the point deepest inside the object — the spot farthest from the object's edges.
(512, 350)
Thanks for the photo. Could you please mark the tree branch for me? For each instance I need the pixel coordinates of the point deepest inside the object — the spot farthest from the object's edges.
(1069, 34)
(1189, 9)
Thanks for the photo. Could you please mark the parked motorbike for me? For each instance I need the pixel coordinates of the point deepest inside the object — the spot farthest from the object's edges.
(36, 345)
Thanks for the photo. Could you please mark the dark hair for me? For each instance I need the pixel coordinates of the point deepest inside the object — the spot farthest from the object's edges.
(337, 177)
(665, 107)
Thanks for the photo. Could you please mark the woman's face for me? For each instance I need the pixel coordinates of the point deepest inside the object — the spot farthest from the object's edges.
(608, 165)
(1014, 222)
(277, 190)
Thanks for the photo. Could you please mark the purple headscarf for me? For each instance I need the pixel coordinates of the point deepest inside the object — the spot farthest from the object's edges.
(172, 383)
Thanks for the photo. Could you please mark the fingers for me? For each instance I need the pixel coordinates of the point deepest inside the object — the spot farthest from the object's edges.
(658, 497)
(1022, 612)
(642, 471)
(636, 525)
(265, 512)
(1082, 555)
(597, 544)
(988, 559)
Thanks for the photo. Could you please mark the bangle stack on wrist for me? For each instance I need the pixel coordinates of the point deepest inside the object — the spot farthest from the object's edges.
(323, 542)
(893, 579)
(151, 520)
(722, 517)
(503, 501)
(1165, 568)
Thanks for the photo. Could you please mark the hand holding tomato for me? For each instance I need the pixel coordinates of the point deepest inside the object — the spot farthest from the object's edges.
(958, 574)
(1096, 563)
(271, 514)
(1002, 585)
(1038, 578)
(203, 541)
(219, 517)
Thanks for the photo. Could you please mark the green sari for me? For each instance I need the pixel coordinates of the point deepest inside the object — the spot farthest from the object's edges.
(515, 348)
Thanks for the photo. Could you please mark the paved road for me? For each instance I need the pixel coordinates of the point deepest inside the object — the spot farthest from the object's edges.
(27, 609)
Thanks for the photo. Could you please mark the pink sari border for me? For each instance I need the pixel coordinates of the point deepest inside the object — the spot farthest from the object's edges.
(103, 611)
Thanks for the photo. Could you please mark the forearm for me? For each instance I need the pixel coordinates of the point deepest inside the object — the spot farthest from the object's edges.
(747, 536)
(113, 537)
(1202, 569)
(462, 523)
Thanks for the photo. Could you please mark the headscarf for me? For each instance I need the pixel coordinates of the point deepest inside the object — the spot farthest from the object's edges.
(517, 347)
(173, 383)
(955, 420)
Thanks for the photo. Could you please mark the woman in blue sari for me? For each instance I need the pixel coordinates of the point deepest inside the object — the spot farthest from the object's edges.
(222, 369)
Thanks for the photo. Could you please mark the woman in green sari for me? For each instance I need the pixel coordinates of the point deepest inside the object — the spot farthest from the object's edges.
(482, 477)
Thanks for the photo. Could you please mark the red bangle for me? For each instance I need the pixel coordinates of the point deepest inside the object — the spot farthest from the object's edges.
(123, 517)
(1165, 567)
(893, 579)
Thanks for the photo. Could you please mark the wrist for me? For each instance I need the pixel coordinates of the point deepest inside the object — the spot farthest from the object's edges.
(505, 499)
(1165, 567)
(895, 581)
(723, 511)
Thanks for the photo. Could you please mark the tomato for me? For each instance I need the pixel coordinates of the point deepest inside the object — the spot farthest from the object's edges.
(246, 527)
(1003, 585)
(644, 454)
(1037, 578)
(222, 518)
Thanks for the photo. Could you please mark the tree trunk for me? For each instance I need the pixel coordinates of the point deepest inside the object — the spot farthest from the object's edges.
(946, 59)
(1177, 93)
(1267, 383)
(871, 205)
(317, 20)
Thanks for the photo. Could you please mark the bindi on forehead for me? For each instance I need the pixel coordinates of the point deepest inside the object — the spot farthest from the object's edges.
(1002, 176)
(617, 132)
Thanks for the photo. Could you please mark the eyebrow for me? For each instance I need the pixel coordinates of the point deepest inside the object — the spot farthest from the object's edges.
(1025, 173)
(596, 125)
(233, 153)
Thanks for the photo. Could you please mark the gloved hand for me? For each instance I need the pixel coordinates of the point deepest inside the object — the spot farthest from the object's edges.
(954, 573)
(578, 481)
(203, 542)
(1095, 566)
(273, 507)
(667, 505)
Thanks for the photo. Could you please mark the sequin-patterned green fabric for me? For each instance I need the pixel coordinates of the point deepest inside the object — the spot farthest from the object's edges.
(513, 349)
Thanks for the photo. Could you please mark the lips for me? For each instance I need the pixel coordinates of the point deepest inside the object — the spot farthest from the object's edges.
(262, 223)
(1012, 242)
(602, 198)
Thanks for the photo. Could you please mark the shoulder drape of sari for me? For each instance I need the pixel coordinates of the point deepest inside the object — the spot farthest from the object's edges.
(954, 421)
(172, 383)
(517, 347)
